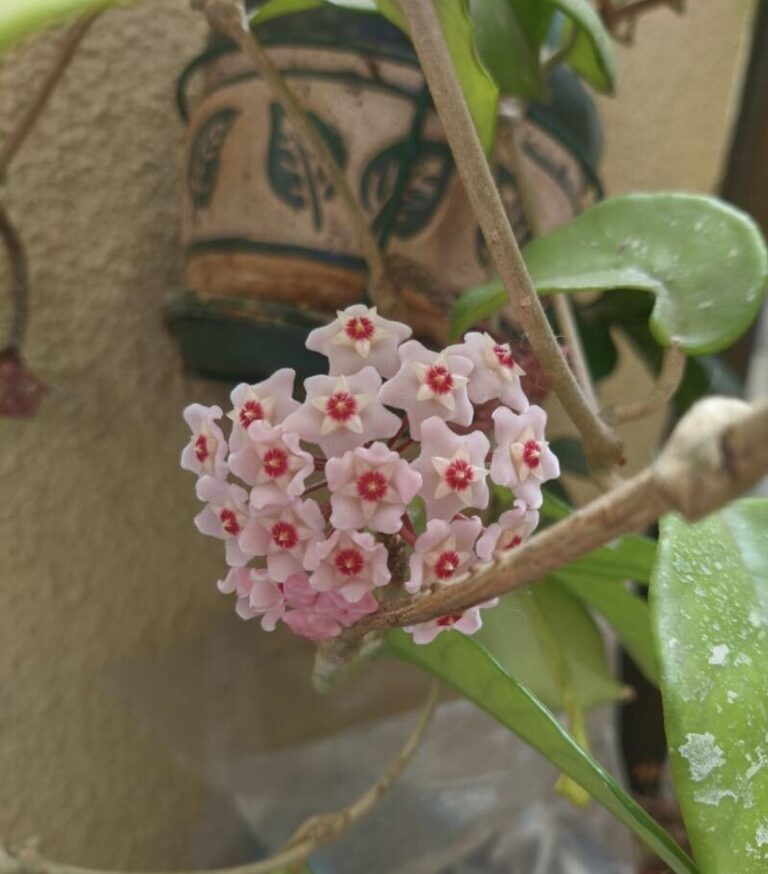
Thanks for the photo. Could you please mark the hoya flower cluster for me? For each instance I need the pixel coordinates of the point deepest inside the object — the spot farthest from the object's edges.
(309, 496)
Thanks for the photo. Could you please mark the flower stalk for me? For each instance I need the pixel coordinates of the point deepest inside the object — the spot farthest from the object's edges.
(717, 452)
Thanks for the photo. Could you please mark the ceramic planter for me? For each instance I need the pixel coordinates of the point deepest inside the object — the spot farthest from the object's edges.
(269, 250)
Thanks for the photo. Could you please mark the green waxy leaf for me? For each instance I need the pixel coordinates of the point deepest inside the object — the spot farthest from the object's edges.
(534, 633)
(505, 49)
(709, 603)
(470, 669)
(705, 262)
(22, 18)
(591, 54)
(624, 611)
(629, 557)
(535, 17)
(476, 305)
(479, 89)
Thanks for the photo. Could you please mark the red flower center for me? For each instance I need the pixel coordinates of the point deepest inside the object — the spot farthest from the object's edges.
(439, 379)
(349, 562)
(284, 535)
(446, 564)
(459, 475)
(514, 541)
(532, 453)
(372, 486)
(341, 406)
(448, 621)
(202, 453)
(275, 462)
(229, 522)
(360, 328)
(251, 411)
(504, 356)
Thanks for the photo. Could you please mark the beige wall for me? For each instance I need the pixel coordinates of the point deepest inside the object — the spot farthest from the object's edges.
(667, 127)
(99, 564)
(100, 570)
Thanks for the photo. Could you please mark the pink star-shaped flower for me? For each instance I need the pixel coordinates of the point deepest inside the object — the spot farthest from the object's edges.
(272, 461)
(522, 459)
(281, 534)
(257, 595)
(429, 384)
(350, 563)
(495, 375)
(269, 402)
(514, 527)
(225, 516)
(370, 488)
(321, 615)
(206, 452)
(467, 622)
(342, 412)
(359, 336)
(443, 552)
(453, 469)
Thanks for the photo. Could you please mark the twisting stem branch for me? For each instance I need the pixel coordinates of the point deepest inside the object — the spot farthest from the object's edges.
(719, 449)
(312, 834)
(562, 305)
(229, 17)
(329, 827)
(602, 446)
(668, 382)
(66, 52)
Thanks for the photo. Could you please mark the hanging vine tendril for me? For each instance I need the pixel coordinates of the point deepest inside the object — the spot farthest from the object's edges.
(20, 391)
(18, 288)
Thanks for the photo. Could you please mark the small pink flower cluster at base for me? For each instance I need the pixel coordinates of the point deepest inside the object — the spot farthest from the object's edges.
(306, 495)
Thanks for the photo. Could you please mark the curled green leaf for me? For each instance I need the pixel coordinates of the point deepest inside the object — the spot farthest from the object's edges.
(591, 52)
(705, 262)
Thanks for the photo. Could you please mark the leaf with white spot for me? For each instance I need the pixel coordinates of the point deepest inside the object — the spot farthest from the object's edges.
(709, 604)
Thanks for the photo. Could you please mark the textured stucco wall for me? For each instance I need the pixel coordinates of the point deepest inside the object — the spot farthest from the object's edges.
(100, 569)
(97, 563)
(668, 126)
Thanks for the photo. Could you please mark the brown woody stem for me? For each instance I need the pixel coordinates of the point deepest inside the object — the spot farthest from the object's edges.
(560, 302)
(66, 52)
(668, 382)
(719, 449)
(602, 446)
(312, 834)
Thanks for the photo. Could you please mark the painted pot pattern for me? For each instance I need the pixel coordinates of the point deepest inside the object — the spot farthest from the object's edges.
(261, 222)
